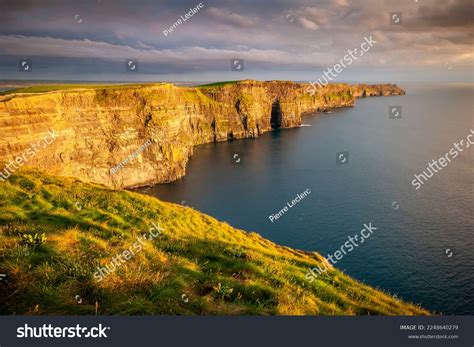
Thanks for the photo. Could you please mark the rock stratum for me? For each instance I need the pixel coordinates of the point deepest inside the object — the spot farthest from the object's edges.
(126, 136)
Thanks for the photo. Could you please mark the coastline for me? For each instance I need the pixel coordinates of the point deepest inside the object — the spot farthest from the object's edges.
(98, 126)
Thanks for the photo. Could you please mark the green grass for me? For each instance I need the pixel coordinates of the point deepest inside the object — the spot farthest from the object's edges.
(197, 266)
(43, 88)
(217, 84)
(54, 87)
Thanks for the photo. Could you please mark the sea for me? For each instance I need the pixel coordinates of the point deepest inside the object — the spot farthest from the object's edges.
(422, 247)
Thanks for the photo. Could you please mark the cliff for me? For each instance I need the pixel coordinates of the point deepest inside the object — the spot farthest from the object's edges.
(135, 135)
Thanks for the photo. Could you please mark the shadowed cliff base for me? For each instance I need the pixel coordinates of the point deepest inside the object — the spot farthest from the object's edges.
(103, 127)
(276, 115)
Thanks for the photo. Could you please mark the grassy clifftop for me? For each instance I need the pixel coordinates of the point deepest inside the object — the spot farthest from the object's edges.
(44, 88)
(195, 265)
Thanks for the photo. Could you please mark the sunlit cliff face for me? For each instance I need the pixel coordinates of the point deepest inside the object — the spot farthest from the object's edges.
(130, 136)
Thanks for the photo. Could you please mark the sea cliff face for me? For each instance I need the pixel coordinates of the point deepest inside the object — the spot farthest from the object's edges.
(148, 132)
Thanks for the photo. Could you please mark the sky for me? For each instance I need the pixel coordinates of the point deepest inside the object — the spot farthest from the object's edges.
(287, 40)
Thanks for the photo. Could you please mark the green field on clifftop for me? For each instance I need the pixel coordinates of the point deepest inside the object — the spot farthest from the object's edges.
(43, 88)
(197, 265)
(217, 84)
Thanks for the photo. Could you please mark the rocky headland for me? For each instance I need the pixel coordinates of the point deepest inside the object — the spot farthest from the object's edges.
(106, 127)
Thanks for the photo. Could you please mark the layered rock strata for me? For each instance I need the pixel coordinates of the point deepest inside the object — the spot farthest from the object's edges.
(99, 128)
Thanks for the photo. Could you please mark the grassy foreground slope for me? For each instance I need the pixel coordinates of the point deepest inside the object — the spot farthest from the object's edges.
(197, 265)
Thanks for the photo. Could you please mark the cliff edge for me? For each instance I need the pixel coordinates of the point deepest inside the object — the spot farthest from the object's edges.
(126, 136)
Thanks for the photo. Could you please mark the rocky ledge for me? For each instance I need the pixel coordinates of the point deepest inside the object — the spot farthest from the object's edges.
(137, 135)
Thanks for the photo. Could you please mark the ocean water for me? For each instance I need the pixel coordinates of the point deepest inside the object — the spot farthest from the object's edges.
(422, 250)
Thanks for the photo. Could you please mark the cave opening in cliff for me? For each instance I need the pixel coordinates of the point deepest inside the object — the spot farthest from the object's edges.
(276, 115)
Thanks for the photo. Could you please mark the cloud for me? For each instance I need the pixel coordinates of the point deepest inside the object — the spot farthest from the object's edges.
(432, 33)
(342, 3)
(212, 58)
(227, 17)
(454, 13)
(308, 24)
(318, 15)
(30, 46)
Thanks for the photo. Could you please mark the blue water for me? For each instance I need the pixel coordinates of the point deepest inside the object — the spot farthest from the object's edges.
(408, 253)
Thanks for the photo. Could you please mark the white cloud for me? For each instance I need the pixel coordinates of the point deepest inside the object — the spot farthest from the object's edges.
(30, 46)
(397, 46)
(342, 3)
(227, 17)
(308, 24)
